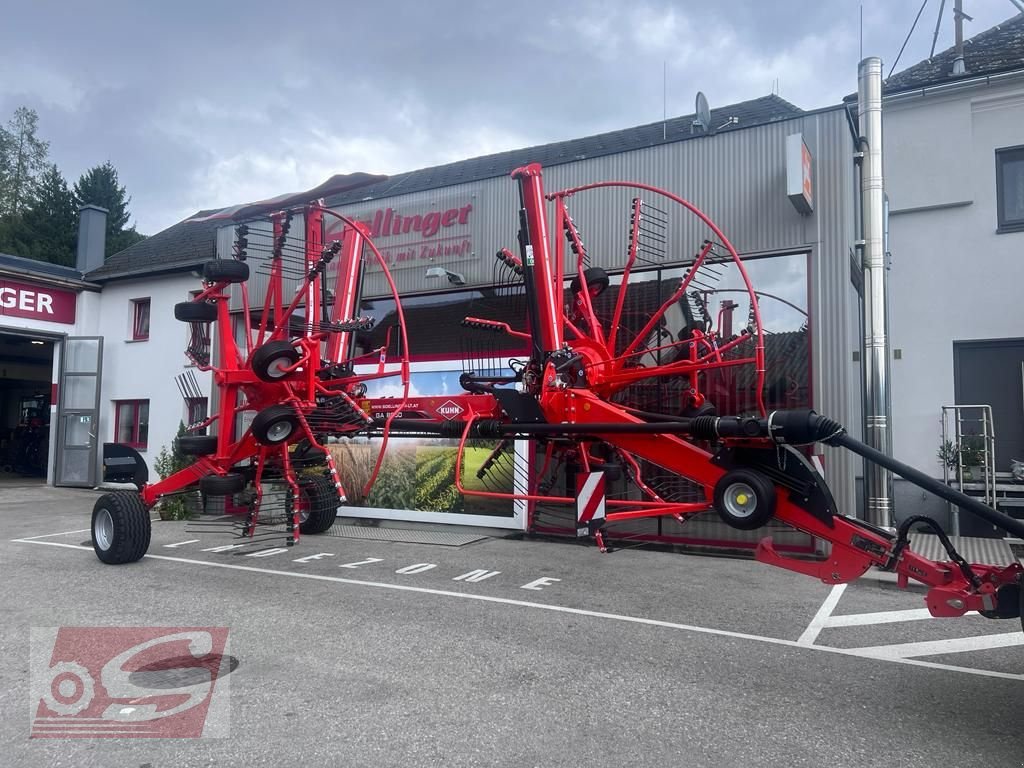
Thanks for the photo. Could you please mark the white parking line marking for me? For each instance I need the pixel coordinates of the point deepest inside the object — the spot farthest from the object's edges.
(310, 558)
(538, 584)
(52, 535)
(824, 612)
(882, 617)
(935, 647)
(181, 543)
(564, 609)
(367, 561)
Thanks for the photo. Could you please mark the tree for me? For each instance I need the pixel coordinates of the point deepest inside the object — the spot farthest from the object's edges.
(100, 186)
(48, 229)
(22, 160)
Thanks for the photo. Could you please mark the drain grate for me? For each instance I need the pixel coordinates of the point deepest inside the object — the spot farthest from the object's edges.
(975, 550)
(403, 535)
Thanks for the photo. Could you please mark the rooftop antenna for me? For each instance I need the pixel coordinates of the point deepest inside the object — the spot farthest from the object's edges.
(959, 68)
(703, 114)
(938, 23)
(664, 100)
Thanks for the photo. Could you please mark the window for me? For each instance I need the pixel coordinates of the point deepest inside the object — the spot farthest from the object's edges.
(140, 319)
(196, 410)
(1010, 189)
(131, 423)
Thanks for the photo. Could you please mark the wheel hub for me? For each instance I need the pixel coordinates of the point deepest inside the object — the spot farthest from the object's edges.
(279, 431)
(104, 530)
(740, 500)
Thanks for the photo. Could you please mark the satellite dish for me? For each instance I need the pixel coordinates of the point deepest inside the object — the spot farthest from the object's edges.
(703, 113)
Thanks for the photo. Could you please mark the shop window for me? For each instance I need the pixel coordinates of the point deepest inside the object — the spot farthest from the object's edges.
(140, 319)
(131, 423)
(1010, 189)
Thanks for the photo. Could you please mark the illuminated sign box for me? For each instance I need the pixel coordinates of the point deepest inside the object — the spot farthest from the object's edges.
(799, 174)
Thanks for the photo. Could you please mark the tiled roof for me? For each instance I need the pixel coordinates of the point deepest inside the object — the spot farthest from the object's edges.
(184, 245)
(190, 243)
(996, 50)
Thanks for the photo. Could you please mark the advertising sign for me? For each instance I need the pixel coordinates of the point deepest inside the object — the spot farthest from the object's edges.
(37, 302)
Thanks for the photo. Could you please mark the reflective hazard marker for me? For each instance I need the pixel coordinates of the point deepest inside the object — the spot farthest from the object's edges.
(589, 502)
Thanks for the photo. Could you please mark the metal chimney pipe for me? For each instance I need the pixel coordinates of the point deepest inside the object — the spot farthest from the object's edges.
(878, 487)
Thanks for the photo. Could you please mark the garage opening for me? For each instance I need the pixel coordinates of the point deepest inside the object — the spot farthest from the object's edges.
(26, 370)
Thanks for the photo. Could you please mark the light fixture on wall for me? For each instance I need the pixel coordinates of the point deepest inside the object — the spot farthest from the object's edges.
(37, 341)
(453, 277)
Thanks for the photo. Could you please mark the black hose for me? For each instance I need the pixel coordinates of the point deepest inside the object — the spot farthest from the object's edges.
(902, 540)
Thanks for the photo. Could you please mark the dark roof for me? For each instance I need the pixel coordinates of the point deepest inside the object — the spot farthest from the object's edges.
(996, 50)
(35, 268)
(185, 245)
(766, 109)
(189, 243)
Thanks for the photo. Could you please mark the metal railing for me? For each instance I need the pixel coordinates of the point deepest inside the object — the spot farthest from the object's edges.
(969, 433)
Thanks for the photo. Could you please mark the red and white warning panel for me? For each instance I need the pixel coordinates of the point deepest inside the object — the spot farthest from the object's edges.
(590, 502)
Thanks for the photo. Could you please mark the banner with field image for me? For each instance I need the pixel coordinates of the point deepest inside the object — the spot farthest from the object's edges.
(416, 481)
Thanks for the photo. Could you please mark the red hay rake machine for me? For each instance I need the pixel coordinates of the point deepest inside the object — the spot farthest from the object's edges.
(299, 364)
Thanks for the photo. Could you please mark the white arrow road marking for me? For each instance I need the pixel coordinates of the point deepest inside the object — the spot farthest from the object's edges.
(936, 647)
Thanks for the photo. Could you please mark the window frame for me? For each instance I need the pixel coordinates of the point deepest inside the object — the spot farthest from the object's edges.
(137, 305)
(135, 442)
(200, 403)
(1004, 226)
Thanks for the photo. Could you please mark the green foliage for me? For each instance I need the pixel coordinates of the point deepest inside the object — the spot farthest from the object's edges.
(100, 186)
(166, 464)
(38, 213)
(47, 230)
(948, 454)
(969, 453)
(22, 161)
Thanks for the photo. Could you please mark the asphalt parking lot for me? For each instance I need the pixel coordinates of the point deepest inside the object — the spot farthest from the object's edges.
(511, 652)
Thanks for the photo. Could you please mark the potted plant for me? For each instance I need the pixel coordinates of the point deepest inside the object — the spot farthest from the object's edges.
(972, 456)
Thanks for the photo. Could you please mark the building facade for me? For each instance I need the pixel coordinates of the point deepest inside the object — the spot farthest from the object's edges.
(954, 169)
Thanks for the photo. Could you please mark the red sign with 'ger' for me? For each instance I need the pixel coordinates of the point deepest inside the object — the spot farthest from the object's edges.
(37, 302)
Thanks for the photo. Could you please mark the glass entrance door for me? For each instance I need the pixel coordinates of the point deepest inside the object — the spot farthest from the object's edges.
(78, 413)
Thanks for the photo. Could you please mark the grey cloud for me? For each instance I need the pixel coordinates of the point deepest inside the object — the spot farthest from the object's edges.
(198, 104)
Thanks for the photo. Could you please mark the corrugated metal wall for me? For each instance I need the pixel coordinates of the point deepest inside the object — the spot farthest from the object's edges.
(738, 178)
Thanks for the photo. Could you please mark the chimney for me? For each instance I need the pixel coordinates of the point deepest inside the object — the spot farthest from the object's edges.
(92, 238)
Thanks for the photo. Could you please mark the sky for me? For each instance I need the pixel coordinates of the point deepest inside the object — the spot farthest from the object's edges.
(205, 105)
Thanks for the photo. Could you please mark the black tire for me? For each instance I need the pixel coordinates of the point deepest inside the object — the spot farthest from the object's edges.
(120, 527)
(195, 312)
(267, 360)
(321, 505)
(196, 445)
(594, 276)
(275, 424)
(1020, 584)
(745, 499)
(226, 271)
(222, 485)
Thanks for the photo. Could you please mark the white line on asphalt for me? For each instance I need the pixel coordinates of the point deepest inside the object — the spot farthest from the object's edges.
(935, 647)
(563, 609)
(52, 535)
(818, 622)
(882, 617)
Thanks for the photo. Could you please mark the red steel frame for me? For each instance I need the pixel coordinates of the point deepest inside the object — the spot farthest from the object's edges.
(580, 410)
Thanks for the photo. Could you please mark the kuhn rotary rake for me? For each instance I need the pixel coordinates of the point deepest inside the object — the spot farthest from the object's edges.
(612, 390)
